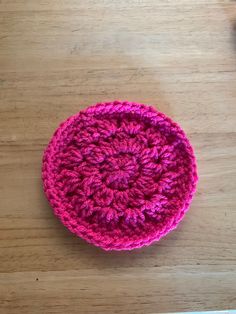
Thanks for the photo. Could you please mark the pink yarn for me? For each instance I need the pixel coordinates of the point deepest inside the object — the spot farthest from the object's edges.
(119, 175)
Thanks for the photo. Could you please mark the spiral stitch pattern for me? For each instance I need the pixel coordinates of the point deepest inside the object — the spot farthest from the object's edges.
(119, 175)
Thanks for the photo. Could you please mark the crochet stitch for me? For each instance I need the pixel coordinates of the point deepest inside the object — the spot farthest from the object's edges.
(119, 174)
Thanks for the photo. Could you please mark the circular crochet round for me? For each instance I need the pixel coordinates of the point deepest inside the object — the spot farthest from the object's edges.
(119, 175)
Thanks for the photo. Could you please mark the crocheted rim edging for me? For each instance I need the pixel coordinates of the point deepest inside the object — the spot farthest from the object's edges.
(120, 175)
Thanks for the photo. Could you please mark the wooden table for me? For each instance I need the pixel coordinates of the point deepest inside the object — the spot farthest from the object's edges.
(57, 57)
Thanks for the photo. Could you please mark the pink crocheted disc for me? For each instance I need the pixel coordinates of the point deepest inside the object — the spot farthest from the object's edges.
(119, 175)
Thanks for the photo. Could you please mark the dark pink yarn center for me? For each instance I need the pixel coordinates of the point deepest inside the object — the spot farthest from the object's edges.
(119, 171)
(119, 175)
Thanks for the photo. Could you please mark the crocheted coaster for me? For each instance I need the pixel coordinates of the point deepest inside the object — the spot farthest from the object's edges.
(119, 175)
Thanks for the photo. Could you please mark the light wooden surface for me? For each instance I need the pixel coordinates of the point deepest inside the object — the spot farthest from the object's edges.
(57, 57)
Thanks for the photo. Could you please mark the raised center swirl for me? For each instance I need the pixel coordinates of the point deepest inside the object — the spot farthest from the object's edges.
(120, 171)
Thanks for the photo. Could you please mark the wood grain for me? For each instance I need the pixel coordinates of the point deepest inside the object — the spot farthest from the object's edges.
(57, 57)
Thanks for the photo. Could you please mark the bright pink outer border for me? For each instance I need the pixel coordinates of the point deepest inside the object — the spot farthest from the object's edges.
(53, 195)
